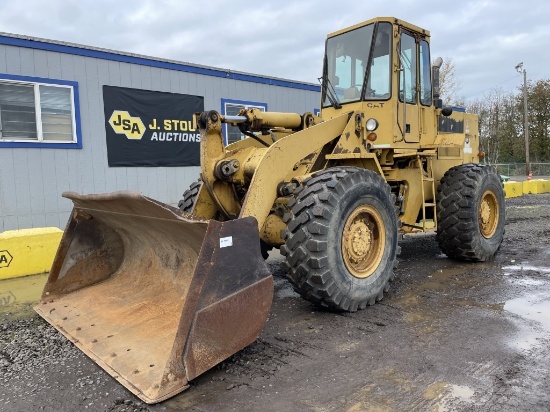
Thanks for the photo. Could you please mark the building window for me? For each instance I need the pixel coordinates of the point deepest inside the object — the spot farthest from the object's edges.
(232, 134)
(38, 112)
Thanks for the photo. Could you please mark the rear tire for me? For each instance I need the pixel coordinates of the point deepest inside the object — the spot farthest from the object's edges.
(341, 238)
(470, 212)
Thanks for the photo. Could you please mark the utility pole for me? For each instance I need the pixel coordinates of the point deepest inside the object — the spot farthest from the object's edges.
(520, 70)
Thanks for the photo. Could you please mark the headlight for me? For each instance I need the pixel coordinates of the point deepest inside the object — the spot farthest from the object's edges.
(372, 124)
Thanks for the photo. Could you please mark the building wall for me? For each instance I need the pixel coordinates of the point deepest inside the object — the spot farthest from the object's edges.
(32, 179)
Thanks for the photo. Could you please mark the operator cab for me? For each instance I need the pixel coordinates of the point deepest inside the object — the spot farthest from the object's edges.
(358, 64)
(383, 63)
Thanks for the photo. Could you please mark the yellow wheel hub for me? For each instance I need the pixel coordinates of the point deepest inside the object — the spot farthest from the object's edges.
(363, 241)
(488, 214)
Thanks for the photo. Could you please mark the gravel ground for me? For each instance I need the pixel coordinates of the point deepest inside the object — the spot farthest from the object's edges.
(449, 336)
(35, 359)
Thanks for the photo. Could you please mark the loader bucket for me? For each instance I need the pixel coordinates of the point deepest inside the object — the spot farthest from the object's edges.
(153, 297)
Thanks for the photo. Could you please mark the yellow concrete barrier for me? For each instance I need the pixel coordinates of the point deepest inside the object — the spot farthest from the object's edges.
(542, 186)
(28, 251)
(527, 187)
(536, 186)
(513, 189)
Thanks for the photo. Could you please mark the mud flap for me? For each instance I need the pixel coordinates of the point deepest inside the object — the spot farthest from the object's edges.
(153, 297)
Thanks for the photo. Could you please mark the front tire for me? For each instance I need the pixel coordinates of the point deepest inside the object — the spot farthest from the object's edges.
(470, 212)
(187, 204)
(341, 238)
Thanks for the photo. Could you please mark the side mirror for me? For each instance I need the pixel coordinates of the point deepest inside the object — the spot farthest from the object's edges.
(336, 81)
(447, 111)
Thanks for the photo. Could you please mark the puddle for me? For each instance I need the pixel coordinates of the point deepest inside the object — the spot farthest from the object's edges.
(525, 268)
(515, 271)
(533, 308)
(436, 281)
(446, 395)
(440, 278)
(19, 294)
(527, 282)
(529, 308)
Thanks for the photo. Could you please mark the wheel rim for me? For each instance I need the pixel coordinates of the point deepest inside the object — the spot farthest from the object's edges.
(488, 214)
(363, 240)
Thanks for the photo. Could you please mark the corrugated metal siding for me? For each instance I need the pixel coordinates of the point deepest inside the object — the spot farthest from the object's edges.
(32, 179)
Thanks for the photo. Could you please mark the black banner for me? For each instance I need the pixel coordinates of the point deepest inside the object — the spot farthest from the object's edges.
(146, 128)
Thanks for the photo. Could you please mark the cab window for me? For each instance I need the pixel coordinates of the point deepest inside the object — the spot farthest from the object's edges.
(425, 74)
(407, 78)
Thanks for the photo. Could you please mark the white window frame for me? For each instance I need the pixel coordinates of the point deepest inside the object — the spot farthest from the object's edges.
(38, 114)
(240, 103)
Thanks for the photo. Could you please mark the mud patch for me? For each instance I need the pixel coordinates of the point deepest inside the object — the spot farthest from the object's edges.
(439, 340)
(445, 396)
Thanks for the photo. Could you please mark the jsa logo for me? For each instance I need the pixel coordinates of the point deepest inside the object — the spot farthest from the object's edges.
(5, 258)
(123, 123)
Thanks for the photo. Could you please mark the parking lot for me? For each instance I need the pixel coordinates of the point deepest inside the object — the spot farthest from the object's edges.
(449, 336)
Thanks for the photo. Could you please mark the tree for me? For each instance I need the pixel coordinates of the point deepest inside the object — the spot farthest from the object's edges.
(498, 116)
(449, 83)
(538, 108)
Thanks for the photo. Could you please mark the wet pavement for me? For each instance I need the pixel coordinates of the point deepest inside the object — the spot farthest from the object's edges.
(449, 336)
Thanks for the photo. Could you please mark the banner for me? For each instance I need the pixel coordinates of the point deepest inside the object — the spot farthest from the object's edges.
(146, 128)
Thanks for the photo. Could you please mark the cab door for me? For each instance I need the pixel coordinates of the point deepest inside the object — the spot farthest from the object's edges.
(427, 114)
(408, 116)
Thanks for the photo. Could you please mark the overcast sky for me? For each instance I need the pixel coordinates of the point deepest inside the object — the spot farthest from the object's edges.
(285, 38)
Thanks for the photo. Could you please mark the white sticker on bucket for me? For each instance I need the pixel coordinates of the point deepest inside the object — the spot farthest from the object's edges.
(226, 241)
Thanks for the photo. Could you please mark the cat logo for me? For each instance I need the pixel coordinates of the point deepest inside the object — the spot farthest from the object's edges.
(5, 258)
(123, 123)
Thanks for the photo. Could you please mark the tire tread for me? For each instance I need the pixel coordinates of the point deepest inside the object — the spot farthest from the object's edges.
(305, 248)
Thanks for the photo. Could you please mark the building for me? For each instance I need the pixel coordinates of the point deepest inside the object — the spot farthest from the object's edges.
(88, 120)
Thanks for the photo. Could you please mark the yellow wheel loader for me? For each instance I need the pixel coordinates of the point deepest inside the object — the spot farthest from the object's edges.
(157, 295)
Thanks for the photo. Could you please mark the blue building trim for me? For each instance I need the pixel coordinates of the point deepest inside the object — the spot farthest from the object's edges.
(143, 61)
(76, 104)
